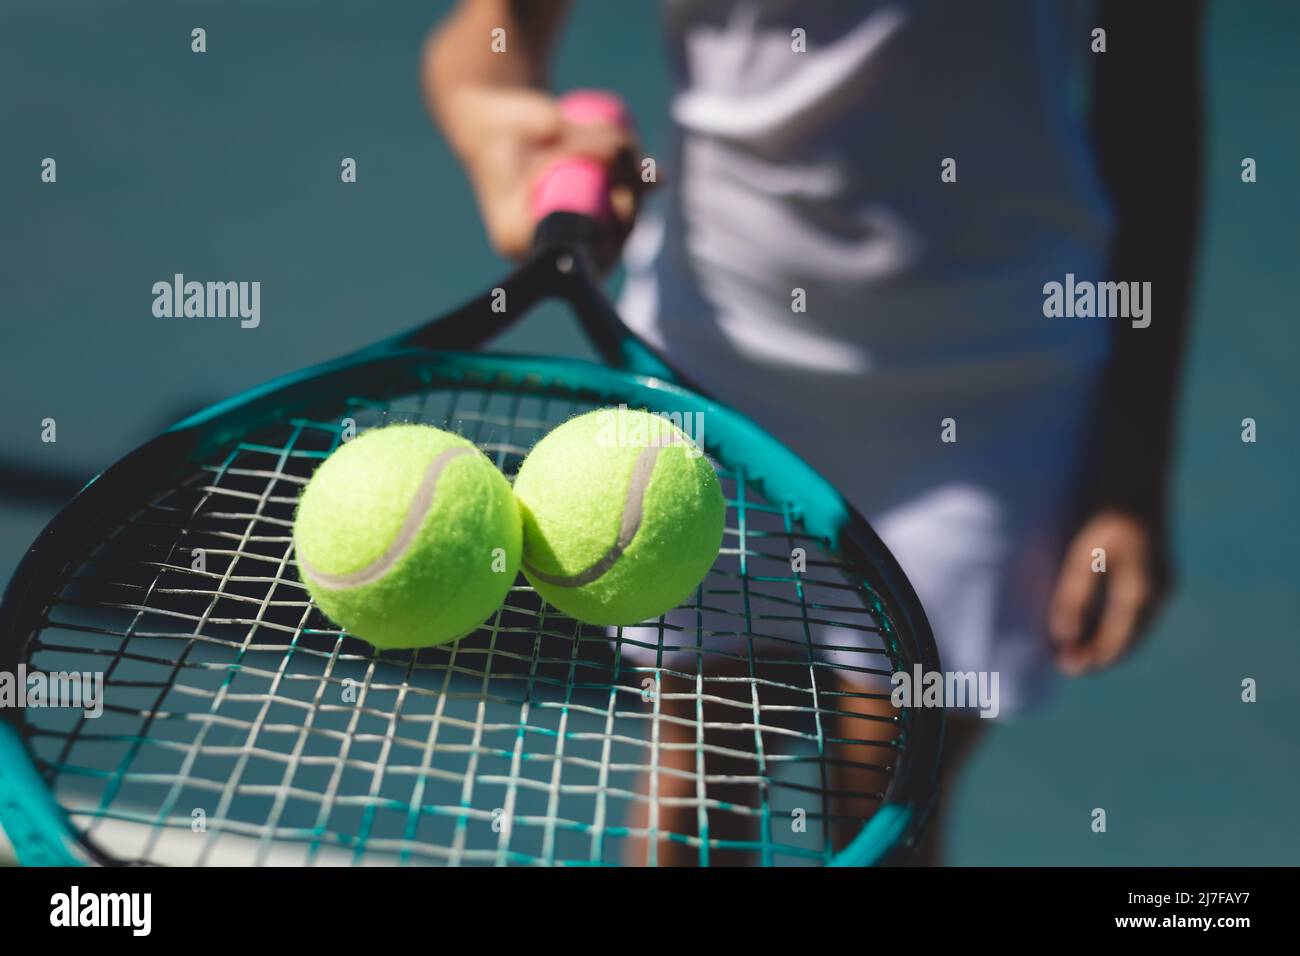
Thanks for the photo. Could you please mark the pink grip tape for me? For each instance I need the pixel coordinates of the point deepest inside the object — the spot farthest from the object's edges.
(578, 184)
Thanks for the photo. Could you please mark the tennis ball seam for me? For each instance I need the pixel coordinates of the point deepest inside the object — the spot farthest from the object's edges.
(573, 494)
(629, 523)
(416, 514)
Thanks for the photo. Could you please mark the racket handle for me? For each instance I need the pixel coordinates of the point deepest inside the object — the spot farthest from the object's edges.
(576, 184)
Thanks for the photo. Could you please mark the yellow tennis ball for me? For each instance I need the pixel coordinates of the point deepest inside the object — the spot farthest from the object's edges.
(623, 516)
(407, 536)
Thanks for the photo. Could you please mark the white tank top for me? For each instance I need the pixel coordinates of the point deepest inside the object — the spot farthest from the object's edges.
(821, 170)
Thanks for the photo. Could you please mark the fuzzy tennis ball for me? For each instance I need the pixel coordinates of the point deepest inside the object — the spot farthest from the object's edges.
(407, 536)
(622, 516)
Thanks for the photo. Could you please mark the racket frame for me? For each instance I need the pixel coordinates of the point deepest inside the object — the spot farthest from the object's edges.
(562, 268)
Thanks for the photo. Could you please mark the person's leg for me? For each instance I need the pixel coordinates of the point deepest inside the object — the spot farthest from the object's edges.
(860, 752)
(674, 790)
(961, 735)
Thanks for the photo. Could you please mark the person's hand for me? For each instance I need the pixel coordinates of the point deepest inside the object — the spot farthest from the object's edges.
(505, 137)
(1096, 617)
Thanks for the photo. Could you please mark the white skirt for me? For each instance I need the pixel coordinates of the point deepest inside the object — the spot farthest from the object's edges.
(979, 524)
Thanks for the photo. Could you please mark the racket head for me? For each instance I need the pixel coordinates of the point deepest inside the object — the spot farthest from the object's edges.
(109, 586)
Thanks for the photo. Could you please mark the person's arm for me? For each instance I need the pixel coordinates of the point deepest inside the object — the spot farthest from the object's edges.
(1147, 131)
(466, 53)
(493, 107)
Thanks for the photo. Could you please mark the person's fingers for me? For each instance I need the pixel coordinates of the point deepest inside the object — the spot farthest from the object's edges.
(617, 150)
(525, 113)
(535, 115)
(511, 234)
(612, 147)
(1073, 594)
(624, 202)
(600, 141)
(525, 132)
(1128, 595)
(1122, 596)
(1072, 659)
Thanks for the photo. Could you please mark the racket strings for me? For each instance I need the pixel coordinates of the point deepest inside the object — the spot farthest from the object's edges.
(241, 726)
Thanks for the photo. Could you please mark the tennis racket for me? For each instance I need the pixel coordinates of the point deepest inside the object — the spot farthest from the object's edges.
(240, 726)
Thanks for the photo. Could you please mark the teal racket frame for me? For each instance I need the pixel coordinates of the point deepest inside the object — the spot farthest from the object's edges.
(39, 831)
